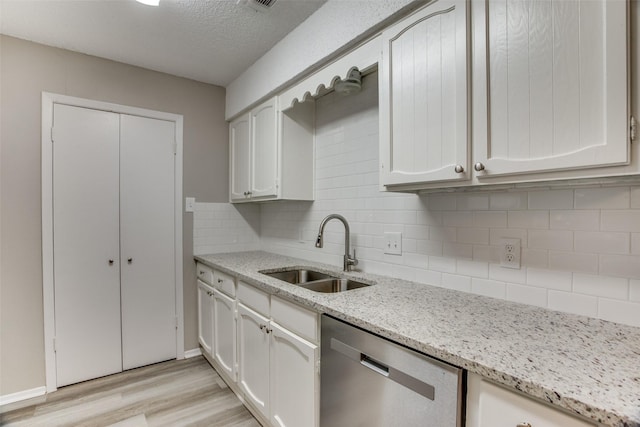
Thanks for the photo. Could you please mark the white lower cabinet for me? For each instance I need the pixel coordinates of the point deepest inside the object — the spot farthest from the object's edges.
(294, 379)
(491, 405)
(224, 332)
(205, 316)
(253, 358)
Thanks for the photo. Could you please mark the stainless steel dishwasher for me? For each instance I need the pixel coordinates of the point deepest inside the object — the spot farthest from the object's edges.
(370, 381)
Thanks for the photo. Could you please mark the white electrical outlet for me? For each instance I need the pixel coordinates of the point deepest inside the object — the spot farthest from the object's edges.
(393, 243)
(189, 204)
(510, 253)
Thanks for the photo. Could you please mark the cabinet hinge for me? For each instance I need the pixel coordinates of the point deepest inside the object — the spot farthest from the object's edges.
(175, 319)
(632, 128)
(55, 348)
(52, 132)
(175, 148)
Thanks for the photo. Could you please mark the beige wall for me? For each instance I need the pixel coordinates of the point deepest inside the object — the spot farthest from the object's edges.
(26, 70)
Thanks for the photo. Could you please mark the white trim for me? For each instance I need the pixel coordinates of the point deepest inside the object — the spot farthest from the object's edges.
(194, 352)
(48, 100)
(22, 395)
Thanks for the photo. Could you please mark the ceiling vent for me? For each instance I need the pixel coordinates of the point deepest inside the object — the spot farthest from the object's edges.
(258, 5)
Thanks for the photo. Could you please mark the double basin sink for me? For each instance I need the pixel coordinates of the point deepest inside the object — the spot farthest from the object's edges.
(315, 280)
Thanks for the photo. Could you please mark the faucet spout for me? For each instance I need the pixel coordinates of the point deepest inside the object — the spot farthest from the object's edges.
(348, 260)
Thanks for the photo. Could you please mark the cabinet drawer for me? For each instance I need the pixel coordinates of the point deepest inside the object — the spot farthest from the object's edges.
(225, 283)
(254, 298)
(295, 318)
(205, 273)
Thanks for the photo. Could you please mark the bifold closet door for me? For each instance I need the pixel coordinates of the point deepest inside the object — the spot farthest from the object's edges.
(147, 240)
(86, 243)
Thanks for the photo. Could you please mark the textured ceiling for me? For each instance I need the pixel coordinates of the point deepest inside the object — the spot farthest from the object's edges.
(212, 41)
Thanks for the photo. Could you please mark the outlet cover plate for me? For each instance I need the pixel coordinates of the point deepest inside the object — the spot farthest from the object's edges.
(510, 253)
(393, 243)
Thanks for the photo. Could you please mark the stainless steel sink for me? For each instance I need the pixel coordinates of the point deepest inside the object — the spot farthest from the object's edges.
(315, 280)
(298, 276)
(333, 285)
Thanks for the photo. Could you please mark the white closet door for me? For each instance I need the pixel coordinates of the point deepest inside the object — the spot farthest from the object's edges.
(86, 247)
(147, 240)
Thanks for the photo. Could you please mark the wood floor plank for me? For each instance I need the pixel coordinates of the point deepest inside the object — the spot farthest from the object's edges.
(174, 393)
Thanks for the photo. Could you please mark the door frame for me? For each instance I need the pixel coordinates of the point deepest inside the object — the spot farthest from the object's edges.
(48, 101)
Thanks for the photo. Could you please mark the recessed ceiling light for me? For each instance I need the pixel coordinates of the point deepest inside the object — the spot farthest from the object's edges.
(149, 2)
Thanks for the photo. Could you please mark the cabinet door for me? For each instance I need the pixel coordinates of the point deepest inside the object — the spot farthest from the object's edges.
(264, 150)
(550, 85)
(491, 405)
(294, 378)
(239, 158)
(253, 357)
(86, 243)
(147, 247)
(224, 332)
(423, 97)
(205, 317)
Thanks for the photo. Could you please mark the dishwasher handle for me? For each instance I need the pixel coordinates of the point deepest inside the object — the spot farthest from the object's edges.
(396, 375)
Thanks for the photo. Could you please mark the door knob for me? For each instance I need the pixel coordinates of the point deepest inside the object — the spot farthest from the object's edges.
(110, 262)
(478, 167)
(459, 169)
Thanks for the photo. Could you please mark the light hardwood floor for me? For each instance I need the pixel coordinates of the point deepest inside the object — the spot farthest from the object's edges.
(175, 393)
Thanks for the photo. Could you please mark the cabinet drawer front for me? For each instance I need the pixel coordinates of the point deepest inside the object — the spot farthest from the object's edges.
(254, 298)
(205, 273)
(295, 318)
(224, 282)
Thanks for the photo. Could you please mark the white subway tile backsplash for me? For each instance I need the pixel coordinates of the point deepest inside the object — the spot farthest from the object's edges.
(472, 202)
(559, 240)
(620, 265)
(601, 242)
(601, 286)
(602, 198)
(445, 265)
(507, 201)
(573, 240)
(478, 236)
(551, 199)
(489, 288)
(575, 220)
(512, 275)
(559, 280)
(573, 303)
(635, 197)
(634, 290)
(571, 261)
(526, 294)
(536, 258)
(528, 219)
(472, 268)
(493, 219)
(619, 311)
(623, 220)
(458, 283)
(635, 243)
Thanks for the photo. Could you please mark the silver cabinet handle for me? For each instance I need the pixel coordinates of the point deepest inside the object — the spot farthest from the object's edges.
(110, 262)
(129, 260)
(201, 273)
(523, 425)
(262, 327)
(220, 280)
(459, 169)
(478, 167)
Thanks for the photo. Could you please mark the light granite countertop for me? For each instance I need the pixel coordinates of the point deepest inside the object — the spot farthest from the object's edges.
(587, 366)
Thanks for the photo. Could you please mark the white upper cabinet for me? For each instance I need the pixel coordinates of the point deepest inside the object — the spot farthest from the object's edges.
(271, 154)
(424, 97)
(550, 86)
(264, 150)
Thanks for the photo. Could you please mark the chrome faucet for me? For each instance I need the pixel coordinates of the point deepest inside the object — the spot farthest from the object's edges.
(348, 260)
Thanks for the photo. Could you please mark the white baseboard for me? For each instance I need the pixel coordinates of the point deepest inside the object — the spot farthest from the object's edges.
(192, 353)
(22, 395)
